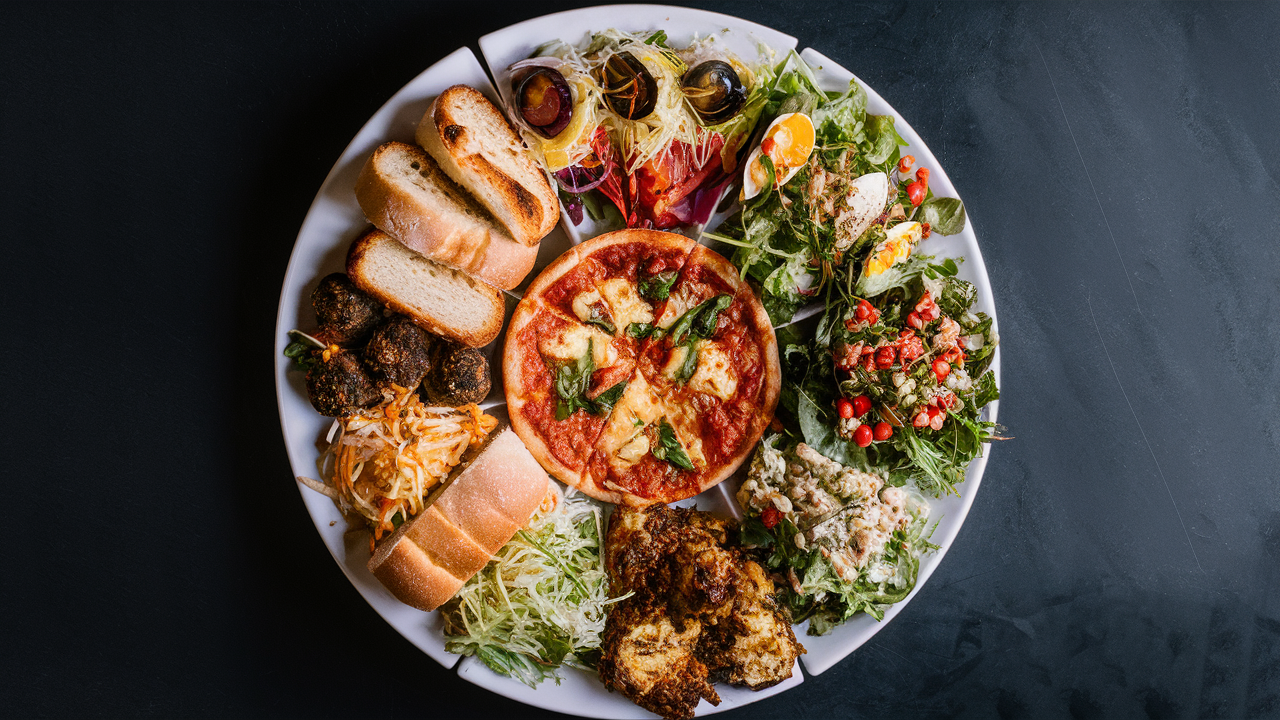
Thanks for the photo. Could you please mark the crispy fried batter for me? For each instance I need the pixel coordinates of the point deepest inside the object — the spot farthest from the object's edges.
(701, 612)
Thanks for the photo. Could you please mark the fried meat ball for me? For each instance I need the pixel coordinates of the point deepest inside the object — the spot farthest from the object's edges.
(399, 352)
(346, 314)
(459, 375)
(340, 384)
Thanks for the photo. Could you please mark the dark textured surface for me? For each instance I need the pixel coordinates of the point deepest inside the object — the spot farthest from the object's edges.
(1119, 161)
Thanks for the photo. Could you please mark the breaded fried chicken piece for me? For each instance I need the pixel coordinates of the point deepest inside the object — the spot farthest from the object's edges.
(702, 612)
(652, 663)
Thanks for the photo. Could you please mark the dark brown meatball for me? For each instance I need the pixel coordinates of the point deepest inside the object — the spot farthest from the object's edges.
(340, 384)
(346, 314)
(459, 375)
(399, 352)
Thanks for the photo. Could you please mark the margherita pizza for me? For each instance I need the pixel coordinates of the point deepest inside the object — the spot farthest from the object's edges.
(640, 368)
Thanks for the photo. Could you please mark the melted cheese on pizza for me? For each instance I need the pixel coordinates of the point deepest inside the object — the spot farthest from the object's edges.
(679, 302)
(675, 362)
(684, 420)
(583, 302)
(571, 343)
(634, 451)
(625, 303)
(635, 410)
(715, 374)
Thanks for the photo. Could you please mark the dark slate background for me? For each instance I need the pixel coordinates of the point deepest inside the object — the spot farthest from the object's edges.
(1120, 166)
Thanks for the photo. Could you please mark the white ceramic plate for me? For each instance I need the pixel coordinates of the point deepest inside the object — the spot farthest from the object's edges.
(335, 219)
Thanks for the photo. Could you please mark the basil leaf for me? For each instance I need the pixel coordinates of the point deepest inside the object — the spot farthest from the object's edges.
(605, 401)
(704, 324)
(640, 331)
(572, 379)
(944, 215)
(658, 287)
(701, 320)
(690, 363)
(669, 448)
(599, 317)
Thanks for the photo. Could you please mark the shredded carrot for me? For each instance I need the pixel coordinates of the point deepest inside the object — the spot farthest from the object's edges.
(390, 456)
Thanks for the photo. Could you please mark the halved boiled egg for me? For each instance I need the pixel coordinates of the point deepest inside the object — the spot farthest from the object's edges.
(897, 245)
(788, 142)
(863, 204)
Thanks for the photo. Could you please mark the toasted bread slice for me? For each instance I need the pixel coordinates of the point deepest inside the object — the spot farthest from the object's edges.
(439, 299)
(470, 139)
(404, 193)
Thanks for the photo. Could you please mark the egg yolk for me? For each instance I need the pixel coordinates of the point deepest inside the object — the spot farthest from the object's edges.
(792, 141)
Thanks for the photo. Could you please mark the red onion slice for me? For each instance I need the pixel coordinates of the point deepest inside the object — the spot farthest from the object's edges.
(577, 179)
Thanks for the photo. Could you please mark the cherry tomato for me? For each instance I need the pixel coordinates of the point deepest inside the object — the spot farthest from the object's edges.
(862, 436)
(941, 368)
(861, 405)
(923, 175)
(904, 165)
(770, 517)
(921, 419)
(913, 319)
(883, 431)
(915, 193)
(844, 408)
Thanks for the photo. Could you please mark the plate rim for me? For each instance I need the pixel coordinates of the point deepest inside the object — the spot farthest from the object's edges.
(974, 472)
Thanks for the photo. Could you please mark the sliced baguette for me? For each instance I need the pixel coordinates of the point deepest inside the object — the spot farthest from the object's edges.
(470, 139)
(439, 299)
(404, 193)
(490, 495)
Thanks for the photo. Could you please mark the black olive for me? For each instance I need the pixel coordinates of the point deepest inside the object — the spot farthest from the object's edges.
(546, 102)
(628, 87)
(714, 90)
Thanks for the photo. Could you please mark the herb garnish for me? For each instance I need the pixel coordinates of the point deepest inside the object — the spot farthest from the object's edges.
(658, 287)
(573, 379)
(669, 448)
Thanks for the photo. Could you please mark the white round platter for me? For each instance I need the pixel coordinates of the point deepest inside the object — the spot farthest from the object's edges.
(335, 220)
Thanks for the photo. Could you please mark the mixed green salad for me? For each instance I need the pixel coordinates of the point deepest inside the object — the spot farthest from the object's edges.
(890, 378)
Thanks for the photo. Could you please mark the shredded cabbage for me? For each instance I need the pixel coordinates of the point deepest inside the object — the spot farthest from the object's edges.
(542, 601)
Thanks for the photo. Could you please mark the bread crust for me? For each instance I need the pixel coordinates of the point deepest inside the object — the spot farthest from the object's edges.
(443, 231)
(369, 243)
(470, 138)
